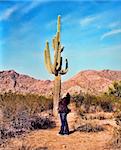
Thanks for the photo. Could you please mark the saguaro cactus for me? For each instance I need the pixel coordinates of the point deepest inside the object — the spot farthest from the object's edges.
(56, 67)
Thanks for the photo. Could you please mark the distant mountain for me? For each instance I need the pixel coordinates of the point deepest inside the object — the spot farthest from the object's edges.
(12, 81)
(90, 81)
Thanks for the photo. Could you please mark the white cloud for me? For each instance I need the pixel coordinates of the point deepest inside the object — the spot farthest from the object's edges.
(31, 6)
(114, 24)
(110, 33)
(7, 13)
(88, 20)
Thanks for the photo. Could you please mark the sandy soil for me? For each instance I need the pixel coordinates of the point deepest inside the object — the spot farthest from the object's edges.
(49, 140)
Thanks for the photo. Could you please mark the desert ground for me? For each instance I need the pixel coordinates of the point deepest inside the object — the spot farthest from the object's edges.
(27, 121)
(47, 139)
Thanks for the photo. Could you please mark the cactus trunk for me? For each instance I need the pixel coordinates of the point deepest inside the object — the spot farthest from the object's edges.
(56, 96)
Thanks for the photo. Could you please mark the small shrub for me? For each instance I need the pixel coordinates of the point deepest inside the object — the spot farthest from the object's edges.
(115, 142)
(115, 89)
(90, 128)
(12, 104)
(96, 103)
(21, 114)
(42, 123)
(117, 117)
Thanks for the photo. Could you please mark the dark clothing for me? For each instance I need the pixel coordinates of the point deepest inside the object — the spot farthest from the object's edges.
(63, 110)
(64, 124)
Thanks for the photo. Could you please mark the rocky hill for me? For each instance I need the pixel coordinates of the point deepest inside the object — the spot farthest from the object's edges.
(12, 81)
(92, 81)
(85, 81)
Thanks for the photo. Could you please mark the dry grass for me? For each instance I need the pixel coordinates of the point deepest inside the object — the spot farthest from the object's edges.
(115, 142)
(86, 103)
(22, 113)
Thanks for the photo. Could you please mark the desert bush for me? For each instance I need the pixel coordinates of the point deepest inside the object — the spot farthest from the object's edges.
(22, 113)
(42, 123)
(90, 128)
(18, 127)
(99, 116)
(118, 118)
(115, 142)
(13, 104)
(106, 103)
(91, 103)
(115, 89)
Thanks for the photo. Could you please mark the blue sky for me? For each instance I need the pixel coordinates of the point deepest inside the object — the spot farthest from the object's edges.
(91, 35)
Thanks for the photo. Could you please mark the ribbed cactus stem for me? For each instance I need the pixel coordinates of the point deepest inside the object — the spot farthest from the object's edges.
(53, 43)
(58, 23)
(47, 58)
(56, 96)
(56, 67)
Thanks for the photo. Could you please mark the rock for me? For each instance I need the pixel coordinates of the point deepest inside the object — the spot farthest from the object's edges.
(64, 146)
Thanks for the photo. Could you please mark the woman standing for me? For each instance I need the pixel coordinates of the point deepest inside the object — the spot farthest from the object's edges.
(63, 110)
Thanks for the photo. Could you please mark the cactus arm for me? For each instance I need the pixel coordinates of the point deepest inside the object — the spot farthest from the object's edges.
(59, 60)
(62, 48)
(46, 62)
(64, 71)
(47, 59)
(53, 43)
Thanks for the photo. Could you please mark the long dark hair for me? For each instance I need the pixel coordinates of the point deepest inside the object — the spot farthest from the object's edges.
(68, 98)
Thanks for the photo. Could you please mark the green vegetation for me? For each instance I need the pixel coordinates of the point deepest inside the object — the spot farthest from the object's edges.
(115, 89)
(22, 113)
(12, 103)
(90, 103)
(107, 102)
